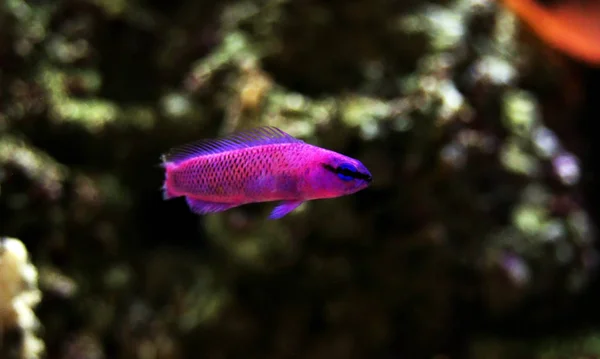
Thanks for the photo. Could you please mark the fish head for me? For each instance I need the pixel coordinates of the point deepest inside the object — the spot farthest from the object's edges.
(337, 175)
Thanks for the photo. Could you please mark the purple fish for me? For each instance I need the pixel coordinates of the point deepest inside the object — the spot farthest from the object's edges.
(258, 165)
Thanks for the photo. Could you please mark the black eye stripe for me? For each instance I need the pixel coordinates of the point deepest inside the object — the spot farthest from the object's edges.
(347, 172)
(329, 168)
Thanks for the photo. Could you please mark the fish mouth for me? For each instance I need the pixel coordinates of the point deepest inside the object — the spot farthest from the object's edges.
(365, 182)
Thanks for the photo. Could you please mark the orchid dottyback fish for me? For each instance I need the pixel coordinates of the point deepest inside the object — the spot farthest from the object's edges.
(258, 165)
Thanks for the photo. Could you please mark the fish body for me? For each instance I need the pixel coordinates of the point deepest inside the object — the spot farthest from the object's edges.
(259, 165)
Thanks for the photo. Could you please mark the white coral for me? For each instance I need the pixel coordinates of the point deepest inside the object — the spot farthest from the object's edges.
(18, 295)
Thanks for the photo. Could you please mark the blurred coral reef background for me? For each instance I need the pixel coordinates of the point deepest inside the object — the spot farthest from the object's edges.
(476, 240)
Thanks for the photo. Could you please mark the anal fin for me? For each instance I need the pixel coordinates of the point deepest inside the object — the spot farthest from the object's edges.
(203, 207)
(284, 208)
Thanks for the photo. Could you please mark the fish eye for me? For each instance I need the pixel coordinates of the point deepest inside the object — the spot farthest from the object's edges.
(346, 172)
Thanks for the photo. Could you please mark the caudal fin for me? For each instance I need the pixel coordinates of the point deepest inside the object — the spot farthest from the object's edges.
(167, 193)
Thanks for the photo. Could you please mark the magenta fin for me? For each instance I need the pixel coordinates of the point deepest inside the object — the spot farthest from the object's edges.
(166, 194)
(203, 207)
(250, 138)
(284, 208)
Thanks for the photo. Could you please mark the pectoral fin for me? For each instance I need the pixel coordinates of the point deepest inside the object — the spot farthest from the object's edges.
(284, 208)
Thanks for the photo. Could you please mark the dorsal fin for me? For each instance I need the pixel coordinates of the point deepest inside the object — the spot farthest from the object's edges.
(249, 138)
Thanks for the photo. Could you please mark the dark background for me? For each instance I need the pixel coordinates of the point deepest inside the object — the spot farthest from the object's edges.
(450, 254)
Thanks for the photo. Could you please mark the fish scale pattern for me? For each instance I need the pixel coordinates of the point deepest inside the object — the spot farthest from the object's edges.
(229, 176)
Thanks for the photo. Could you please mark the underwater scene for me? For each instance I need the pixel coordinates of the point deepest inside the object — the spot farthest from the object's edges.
(299, 179)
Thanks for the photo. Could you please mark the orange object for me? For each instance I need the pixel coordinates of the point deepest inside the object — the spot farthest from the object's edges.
(572, 26)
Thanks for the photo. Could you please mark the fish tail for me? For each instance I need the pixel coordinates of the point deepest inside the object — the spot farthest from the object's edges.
(167, 193)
